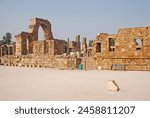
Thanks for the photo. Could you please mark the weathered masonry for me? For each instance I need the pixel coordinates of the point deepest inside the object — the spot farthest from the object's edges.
(27, 42)
(128, 49)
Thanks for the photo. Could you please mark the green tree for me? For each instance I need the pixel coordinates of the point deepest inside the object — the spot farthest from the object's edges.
(7, 38)
(90, 43)
(1, 42)
(65, 42)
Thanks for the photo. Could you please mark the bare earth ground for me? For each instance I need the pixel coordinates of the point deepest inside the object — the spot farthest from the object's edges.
(21, 83)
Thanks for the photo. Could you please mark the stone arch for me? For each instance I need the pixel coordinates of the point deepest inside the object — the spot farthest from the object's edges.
(4, 50)
(10, 49)
(46, 26)
(25, 41)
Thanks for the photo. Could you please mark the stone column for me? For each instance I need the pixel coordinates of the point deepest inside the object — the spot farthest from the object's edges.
(85, 64)
(8, 48)
(84, 47)
(4, 50)
(78, 46)
(68, 46)
(13, 50)
(78, 38)
(1, 51)
(27, 43)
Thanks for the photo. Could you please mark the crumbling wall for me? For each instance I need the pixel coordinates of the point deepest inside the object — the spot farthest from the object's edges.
(129, 47)
(74, 46)
(46, 26)
(24, 40)
(24, 43)
(84, 47)
(59, 47)
(38, 47)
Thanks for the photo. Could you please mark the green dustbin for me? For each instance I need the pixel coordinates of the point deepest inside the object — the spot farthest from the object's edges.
(80, 67)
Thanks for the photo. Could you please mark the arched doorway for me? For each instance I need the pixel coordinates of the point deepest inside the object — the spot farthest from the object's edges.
(27, 42)
(44, 26)
(40, 33)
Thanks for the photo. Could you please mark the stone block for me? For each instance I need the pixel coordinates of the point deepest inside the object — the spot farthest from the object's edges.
(99, 67)
(112, 86)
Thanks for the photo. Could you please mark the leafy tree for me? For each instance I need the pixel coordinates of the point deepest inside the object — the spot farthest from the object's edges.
(7, 38)
(1, 42)
(65, 42)
(90, 43)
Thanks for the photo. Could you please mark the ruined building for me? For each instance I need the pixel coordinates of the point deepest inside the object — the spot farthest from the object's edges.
(128, 49)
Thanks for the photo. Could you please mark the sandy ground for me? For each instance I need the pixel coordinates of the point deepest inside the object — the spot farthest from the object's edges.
(21, 83)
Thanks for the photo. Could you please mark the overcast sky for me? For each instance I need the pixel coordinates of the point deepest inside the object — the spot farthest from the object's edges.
(72, 17)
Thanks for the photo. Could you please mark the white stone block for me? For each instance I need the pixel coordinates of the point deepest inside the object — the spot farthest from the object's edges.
(112, 86)
(99, 68)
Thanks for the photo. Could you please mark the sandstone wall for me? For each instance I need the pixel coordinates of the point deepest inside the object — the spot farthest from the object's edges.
(59, 47)
(124, 50)
(128, 49)
(41, 61)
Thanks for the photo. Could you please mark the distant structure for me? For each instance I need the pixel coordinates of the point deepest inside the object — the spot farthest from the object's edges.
(128, 49)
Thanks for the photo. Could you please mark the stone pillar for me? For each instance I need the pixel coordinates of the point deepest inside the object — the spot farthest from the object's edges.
(68, 46)
(85, 68)
(27, 42)
(84, 47)
(21, 44)
(13, 50)
(2, 49)
(8, 48)
(18, 44)
(78, 38)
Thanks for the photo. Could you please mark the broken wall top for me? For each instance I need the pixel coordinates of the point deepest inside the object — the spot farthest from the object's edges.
(125, 43)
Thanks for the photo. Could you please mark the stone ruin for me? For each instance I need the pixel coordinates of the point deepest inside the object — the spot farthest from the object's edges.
(128, 49)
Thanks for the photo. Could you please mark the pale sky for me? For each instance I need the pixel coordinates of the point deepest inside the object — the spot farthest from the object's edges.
(72, 17)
